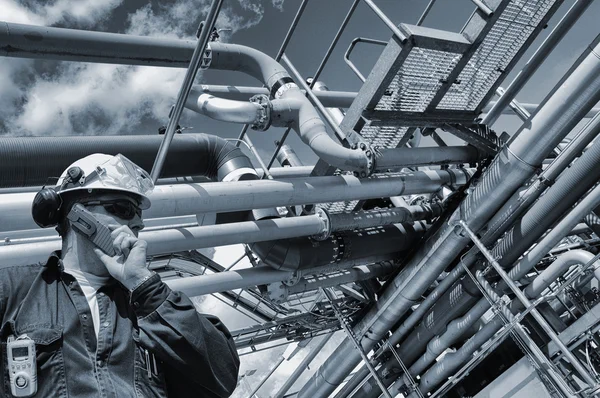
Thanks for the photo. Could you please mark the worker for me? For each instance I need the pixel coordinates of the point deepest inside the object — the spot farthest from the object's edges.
(97, 321)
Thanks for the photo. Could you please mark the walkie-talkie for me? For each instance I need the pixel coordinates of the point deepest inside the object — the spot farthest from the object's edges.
(86, 223)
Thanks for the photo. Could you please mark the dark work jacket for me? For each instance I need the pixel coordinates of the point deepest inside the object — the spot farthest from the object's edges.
(151, 343)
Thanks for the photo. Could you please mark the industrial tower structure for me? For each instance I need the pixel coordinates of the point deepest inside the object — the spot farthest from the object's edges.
(439, 263)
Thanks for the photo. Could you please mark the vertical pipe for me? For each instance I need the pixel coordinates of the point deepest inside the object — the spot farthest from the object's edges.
(313, 98)
(559, 31)
(186, 86)
(281, 51)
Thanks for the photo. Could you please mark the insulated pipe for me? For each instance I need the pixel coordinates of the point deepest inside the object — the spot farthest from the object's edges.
(29, 41)
(511, 210)
(573, 97)
(303, 253)
(454, 333)
(559, 31)
(219, 197)
(524, 198)
(223, 109)
(551, 239)
(28, 161)
(456, 301)
(445, 367)
(557, 268)
(572, 185)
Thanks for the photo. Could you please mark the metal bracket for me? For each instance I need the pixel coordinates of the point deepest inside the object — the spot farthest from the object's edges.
(478, 135)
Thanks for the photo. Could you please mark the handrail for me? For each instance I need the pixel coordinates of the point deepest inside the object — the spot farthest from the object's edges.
(354, 42)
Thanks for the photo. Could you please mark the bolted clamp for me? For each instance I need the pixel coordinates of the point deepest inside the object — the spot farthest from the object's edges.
(206, 57)
(263, 117)
(325, 219)
(371, 153)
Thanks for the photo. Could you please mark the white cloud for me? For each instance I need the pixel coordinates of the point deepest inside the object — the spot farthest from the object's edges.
(80, 98)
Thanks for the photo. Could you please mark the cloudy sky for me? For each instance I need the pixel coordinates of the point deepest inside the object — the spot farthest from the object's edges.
(64, 98)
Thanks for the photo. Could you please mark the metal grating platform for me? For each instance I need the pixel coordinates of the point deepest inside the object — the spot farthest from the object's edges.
(499, 47)
(435, 75)
(438, 78)
(421, 76)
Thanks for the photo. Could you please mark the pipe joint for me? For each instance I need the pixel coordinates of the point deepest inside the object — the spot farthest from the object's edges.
(326, 222)
(370, 154)
(263, 117)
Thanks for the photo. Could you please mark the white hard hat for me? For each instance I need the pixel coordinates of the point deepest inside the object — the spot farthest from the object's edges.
(107, 172)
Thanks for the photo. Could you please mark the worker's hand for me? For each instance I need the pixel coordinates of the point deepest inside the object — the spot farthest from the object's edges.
(128, 266)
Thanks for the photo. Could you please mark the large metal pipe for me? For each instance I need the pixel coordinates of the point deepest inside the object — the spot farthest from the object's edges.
(226, 110)
(445, 367)
(218, 197)
(303, 253)
(407, 157)
(558, 267)
(559, 31)
(574, 96)
(571, 185)
(524, 198)
(31, 161)
(358, 273)
(512, 209)
(68, 44)
(330, 99)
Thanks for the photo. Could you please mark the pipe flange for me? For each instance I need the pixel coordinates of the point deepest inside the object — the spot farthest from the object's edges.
(263, 117)
(371, 153)
(277, 292)
(293, 280)
(206, 57)
(326, 220)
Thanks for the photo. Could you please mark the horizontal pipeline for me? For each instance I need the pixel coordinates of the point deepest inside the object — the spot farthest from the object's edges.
(335, 99)
(220, 197)
(245, 278)
(191, 238)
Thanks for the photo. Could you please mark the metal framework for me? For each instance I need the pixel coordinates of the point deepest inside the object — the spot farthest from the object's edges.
(307, 237)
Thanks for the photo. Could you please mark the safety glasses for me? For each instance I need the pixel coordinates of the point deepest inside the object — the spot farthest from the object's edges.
(121, 208)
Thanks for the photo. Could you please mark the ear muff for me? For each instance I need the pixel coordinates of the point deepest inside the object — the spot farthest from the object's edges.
(46, 208)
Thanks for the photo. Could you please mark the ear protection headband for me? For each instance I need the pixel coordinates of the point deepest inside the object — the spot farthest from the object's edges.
(47, 203)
